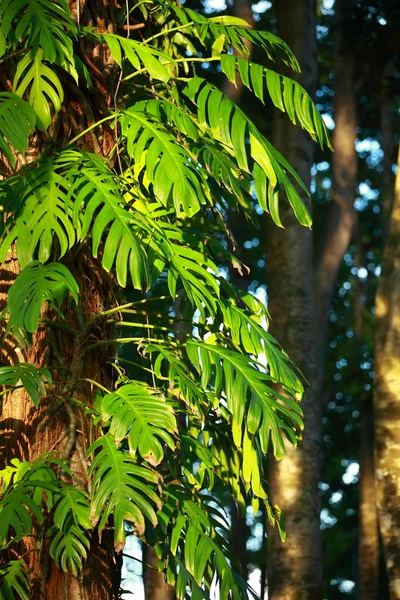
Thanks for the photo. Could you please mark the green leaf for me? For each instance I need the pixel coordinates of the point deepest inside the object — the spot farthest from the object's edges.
(100, 206)
(35, 284)
(251, 400)
(136, 411)
(69, 549)
(41, 25)
(31, 377)
(137, 53)
(165, 163)
(14, 581)
(17, 121)
(121, 489)
(234, 129)
(286, 94)
(16, 511)
(44, 87)
(70, 541)
(39, 197)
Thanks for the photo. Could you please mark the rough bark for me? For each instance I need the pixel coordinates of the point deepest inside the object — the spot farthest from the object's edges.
(387, 398)
(27, 433)
(58, 425)
(295, 568)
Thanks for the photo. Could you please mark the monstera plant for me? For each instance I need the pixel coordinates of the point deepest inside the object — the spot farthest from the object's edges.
(135, 378)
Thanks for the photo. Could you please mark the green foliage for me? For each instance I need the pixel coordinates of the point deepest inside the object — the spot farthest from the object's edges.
(14, 581)
(137, 409)
(286, 94)
(34, 285)
(33, 379)
(115, 206)
(44, 87)
(121, 488)
(17, 120)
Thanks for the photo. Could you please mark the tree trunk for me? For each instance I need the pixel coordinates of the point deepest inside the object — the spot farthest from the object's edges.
(368, 538)
(295, 567)
(340, 217)
(155, 586)
(59, 425)
(387, 398)
(27, 432)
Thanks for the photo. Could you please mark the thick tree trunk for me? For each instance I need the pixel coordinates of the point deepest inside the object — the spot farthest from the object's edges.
(295, 567)
(27, 432)
(58, 425)
(387, 398)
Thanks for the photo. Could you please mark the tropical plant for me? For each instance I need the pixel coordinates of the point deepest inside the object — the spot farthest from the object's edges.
(144, 365)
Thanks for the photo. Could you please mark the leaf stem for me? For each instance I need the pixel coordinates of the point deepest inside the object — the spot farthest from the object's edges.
(96, 383)
(93, 126)
(165, 31)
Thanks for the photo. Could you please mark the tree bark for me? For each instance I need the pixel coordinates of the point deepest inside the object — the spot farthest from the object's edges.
(59, 426)
(295, 567)
(27, 432)
(155, 586)
(387, 398)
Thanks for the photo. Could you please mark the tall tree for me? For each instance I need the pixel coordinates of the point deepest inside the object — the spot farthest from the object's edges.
(386, 398)
(295, 568)
(113, 176)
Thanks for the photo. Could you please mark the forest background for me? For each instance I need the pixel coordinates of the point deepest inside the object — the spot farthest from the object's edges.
(350, 63)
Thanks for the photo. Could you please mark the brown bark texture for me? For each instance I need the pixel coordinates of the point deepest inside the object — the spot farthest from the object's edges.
(387, 398)
(59, 425)
(295, 567)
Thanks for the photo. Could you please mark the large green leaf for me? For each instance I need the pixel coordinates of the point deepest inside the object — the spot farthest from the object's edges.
(140, 56)
(34, 285)
(39, 24)
(32, 378)
(122, 489)
(17, 121)
(230, 124)
(164, 163)
(197, 549)
(287, 94)
(17, 508)
(254, 405)
(70, 541)
(39, 199)
(14, 581)
(247, 328)
(224, 32)
(44, 87)
(100, 206)
(136, 411)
